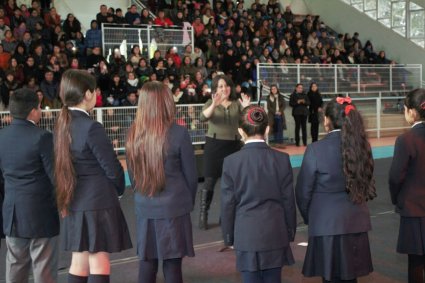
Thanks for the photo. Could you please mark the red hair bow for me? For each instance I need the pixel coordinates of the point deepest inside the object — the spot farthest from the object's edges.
(342, 100)
(348, 108)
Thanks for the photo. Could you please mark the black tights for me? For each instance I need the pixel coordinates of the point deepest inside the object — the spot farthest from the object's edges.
(416, 268)
(172, 269)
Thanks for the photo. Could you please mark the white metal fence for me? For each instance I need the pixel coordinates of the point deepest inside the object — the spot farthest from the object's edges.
(117, 120)
(148, 37)
(341, 78)
(382, 112)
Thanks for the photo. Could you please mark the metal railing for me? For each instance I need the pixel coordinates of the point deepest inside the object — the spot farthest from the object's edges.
(140, 6)
(382, 112)
(149, 37)
(337, 78)
(117, 120)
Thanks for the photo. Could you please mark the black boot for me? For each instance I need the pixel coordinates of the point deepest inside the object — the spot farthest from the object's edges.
(206, 197)
(203, 216)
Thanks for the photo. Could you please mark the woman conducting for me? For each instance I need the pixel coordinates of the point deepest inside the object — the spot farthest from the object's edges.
(222, 139)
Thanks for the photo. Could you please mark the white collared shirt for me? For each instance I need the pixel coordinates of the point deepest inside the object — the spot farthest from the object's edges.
(254, 140)
(336, 130)
(417, 123)
(32, 121)
(79, 109)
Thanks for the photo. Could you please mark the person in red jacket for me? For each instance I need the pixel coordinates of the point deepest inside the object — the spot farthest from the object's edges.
(161, 20)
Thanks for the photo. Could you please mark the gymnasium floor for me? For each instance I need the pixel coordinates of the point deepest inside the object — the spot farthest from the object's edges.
(210, 265)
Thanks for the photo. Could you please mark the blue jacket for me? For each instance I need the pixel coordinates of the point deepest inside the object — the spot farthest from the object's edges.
(100, 176)
(257, 199)
(321, 195)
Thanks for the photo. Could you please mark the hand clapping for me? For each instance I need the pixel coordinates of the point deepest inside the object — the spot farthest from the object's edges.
(245, 100)
(218, 98)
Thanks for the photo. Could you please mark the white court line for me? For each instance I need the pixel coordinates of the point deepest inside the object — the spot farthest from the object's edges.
(386, 212)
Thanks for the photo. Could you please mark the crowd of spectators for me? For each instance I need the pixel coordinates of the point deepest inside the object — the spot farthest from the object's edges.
(38, 44)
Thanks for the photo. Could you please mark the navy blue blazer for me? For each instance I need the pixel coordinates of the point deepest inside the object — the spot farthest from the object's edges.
(257, 199)
(26, 162)
(321, 192)
(407, 173)
(181, 180)
(99, 174)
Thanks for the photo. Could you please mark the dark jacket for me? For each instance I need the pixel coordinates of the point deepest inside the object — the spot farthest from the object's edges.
(407, 173)
(99, 174)
(26, 161)
(257, 199)
(181, 180)
(316, 102)
(321, 195)
(299, 108)
(271, 109)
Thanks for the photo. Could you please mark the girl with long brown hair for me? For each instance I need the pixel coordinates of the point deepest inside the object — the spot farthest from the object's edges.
(333, 186)
(162, 169)
(89, 179)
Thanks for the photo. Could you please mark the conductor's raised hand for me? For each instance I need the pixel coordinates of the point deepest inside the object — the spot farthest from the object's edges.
(218, 98)
(245, 100)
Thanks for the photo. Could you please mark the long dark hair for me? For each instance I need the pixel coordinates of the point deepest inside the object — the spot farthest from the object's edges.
(147, 137)
(73, 87)
(415, 99)
(356, 151)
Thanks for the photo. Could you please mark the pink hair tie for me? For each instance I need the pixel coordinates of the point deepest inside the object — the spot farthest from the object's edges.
(423, 105)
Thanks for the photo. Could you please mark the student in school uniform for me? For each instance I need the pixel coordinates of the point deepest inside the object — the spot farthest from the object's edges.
(407, 185)
(89, 180)
(30, 215)
(162, 169)
(258, 215)
(334, 183)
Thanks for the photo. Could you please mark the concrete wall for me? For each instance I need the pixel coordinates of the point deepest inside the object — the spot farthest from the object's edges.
(344, 18)
(86, 10)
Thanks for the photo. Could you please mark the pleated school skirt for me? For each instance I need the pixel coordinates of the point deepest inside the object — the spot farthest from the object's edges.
(411, 236)
(263, 260)
(345, 257)
(164, 238)
(103, 230)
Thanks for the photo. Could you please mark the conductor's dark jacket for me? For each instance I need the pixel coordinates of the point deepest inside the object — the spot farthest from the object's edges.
(407, 173)
(99, 174)
(321, 195)
(257, 199)
(26, 162)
